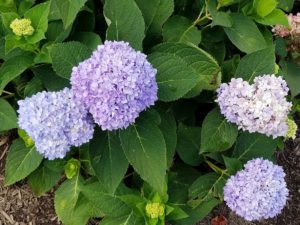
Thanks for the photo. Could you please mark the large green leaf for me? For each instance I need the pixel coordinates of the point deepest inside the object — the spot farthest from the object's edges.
(217, 134)
(264, 7)
(276, 17)
(129, 219)
(168, 128)
(67, 55)
(145, 148)
(13, 67)
(125, 22)
(254, 145)
(109, 204)
(66, 203)
(181, 68)
(39, 20)
(20, 162)
(286, 5)
(256, 63)
(7, 6)
(181, 29)
(50, 80)
(205, 187)
(155, 14)
(188, 144)
(244, 34)
(8, 117)
(108, 159)
(43, 179)
(68, 9)
(291, 73)
(198, 213)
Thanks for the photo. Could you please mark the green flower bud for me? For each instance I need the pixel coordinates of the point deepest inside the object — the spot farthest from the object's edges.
(28, 141)
(155, 210)
(22, 27)
(292, 129)
(72, 168)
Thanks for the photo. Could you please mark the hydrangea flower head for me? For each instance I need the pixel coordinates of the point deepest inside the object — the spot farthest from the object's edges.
(257, 192)
(22, 27)
(116, 83)
(55, 121)
(261, 107)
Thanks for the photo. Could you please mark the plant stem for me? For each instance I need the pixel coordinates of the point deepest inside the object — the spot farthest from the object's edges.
(215, 167)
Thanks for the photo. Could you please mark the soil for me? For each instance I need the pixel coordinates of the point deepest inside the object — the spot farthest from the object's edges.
(19, 206)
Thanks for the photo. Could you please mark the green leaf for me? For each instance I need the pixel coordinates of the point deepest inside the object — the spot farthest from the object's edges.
(286, 5)
(129, 219)
(198, 213)
(155, 14)
(50, 79)
(291, 73)
(20, 162)
(108, 159)
(67, 55)
(244, 34)
(254, 145)
(39, 20)
(233, 165)
(66, 203)
(67, 10)
(8, 116)
(90, 39)
(7, 6)
(33, 86)
(180, 179)
(217, 134)
(13, 67)
(12, 42)
(188, 144)
(276, 17)
(56, 32)
(145, 148)
(109, 204)
(182, 67)
(7, 18)
(43, 179)
(256, 63)
(181, 29)
(218, 18)
(205, 187)
(264, 7)
(168, 128)
(125, 22)
(25, 5)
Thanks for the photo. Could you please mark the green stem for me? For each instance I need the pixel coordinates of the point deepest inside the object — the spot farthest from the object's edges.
(215, 167)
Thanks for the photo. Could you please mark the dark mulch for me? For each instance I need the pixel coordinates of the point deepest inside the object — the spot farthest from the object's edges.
(19, 206)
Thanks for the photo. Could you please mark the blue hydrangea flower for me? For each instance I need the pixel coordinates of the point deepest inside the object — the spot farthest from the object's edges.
(261, 107)
(116, 83)
(257, 192)
(55, 121)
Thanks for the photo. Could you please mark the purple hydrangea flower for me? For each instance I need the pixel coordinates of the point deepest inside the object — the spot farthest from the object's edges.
(116, 83)
(55, 121)
(257, 192)
(261, 107)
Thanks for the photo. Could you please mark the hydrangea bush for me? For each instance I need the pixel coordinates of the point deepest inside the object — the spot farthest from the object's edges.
(146, 112)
